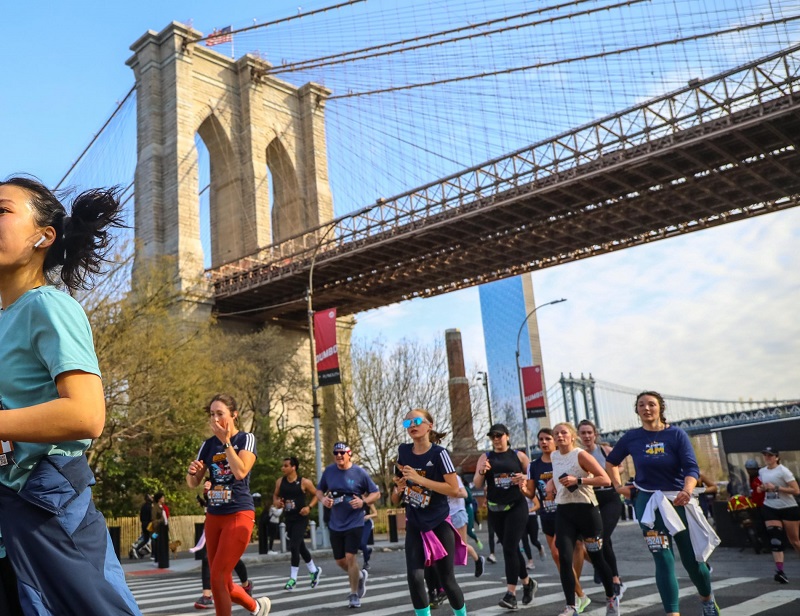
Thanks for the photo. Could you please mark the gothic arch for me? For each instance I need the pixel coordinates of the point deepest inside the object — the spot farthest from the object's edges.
(288, 213)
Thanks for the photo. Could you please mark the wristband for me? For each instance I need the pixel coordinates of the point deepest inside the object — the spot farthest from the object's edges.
(580, 481)
(193, 474)
(481, 473)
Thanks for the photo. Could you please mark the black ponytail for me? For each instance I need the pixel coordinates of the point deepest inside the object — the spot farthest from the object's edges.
(83, 239)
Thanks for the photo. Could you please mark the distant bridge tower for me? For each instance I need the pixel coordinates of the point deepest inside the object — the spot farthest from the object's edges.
(250, 123)
(585, 387)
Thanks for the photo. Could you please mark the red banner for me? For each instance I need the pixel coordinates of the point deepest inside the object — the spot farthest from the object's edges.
(327, 353)
(533, 391)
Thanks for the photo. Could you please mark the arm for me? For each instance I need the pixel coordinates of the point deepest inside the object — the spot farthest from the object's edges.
(480, 470)
(196, 471)
(309, 488)
(590, 465)
(79, 412)
(521, 478)
(691, 470)
(276, 498)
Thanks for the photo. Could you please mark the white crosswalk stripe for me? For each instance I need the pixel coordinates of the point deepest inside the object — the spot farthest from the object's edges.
(388, 596)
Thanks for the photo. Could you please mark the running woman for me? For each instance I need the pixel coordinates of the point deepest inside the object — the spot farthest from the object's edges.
(575, 473)
(540, 472)
(424, 478)
(228, 456)
(607, 499)
(290, 494)
(780, 510)
(666, 474)
(53, 403)
(344, 489)
(504, 472)
(531, 536)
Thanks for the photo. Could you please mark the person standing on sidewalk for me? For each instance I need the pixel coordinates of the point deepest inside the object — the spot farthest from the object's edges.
(290, 495)
(52, 401)
(229, 456)
(424, 478)
(160, 523)
(503, 470)
(344, 489)
(666, 474)
(781, 512)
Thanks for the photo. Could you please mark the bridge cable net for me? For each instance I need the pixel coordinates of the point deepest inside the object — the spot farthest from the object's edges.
(424, 90)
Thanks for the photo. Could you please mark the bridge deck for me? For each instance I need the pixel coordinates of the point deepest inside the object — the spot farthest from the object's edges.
(732, 167)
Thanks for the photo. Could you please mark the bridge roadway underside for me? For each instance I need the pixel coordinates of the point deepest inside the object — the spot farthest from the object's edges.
(718, 172)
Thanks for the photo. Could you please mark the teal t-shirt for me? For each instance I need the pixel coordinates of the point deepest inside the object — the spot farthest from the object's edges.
(42, 334)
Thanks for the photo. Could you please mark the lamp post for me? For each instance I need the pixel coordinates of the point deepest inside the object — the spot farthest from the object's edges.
(484, 377)
(519, 373)
(314, 382)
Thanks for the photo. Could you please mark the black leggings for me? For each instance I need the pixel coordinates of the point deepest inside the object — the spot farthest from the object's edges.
(531, 536)
(415, 564)
(510, 527)
(205, 574)
(610, 512)
(573, 521)
(296, 530)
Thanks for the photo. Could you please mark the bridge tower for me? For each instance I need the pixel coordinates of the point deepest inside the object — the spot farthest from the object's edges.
(256, 128)
(252, 125)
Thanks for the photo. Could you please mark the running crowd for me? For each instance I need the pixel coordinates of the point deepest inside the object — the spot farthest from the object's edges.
(54, 540)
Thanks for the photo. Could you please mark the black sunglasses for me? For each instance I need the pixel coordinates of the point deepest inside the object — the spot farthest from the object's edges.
(496, 434)
(340, 453)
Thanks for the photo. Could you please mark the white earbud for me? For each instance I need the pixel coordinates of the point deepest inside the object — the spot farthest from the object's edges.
(41, 241)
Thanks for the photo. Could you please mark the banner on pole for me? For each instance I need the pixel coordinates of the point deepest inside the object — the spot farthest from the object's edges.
(328, 372)
(533, 392)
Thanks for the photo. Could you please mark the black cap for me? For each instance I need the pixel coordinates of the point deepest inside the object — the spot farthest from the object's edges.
(497, 428)
(341, 446)
(771, 450)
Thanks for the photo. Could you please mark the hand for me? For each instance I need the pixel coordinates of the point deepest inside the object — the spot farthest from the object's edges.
(327, 502)
(305, 511)
(568, 481)
(400, 482)
(768, 487)
(410, 474)
(485, 467)
(222, 428)
(519, 479)
(357, 502)
(682, 499)
(196, 467)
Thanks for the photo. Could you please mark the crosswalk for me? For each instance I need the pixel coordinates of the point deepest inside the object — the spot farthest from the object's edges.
(388, 595)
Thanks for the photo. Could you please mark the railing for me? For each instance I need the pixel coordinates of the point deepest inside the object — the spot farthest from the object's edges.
(181, 528)
(654, 124)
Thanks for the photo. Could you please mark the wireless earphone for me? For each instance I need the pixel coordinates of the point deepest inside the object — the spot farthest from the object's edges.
(41, 241)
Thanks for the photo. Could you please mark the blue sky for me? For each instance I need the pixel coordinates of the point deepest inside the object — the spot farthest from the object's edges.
(712, 314)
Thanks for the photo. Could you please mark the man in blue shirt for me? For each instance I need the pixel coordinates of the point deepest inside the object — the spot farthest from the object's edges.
(344, 489)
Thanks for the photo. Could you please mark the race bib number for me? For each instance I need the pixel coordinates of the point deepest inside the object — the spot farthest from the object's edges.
(593, 544)
(549, 506)
(656, 541)
(417, 497)
(219, 495)
(504, 481)
(338, 499)
(6, 448)
(773, 495)
(288, 505)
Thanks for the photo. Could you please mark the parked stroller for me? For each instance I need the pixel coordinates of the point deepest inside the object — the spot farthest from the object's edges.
(745, 513)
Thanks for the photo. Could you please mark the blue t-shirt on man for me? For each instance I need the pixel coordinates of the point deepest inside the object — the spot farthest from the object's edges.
(343, 485)
(662, 459)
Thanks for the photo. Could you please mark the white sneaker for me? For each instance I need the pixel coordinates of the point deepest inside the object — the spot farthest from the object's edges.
(568, 611)
(362, 583)
(612, 606)
(264, 606)
(581, 603)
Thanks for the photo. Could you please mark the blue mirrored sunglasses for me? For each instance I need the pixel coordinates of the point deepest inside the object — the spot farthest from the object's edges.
(416, 421)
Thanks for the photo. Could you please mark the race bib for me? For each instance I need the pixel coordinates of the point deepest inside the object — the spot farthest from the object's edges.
(6, 448)
(288, 505)
(656, 541)
(417, 497)
(549, 506)
(219, 495)
(773, 495)
(504, 481)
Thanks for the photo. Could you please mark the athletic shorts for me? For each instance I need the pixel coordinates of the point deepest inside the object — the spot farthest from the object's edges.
(345, 541)
(548, 525)
(459, 518)
(787, 514)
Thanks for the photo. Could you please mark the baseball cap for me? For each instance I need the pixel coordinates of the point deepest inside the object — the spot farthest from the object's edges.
(771, 450)
(497, 428)
(750, 463)
(341, 446)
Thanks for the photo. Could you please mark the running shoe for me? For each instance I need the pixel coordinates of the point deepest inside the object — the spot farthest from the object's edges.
(541, 553)
(780, 576)
(437, 598)
(362, 584)
(530, 564)
(509, 601)
(569, 610)
(248, 587)
(264, 606)
(710, 607)
(491, 559)
(612, 606)
(619, 589)
(479, 543)
(581, 603)
(479, 566)
(204, 603)
(315, 577)
(133, 554)
(353, 600)
(529, 591)
(290, 584)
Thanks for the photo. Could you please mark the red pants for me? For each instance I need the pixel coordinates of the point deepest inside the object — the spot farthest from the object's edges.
(227, 537)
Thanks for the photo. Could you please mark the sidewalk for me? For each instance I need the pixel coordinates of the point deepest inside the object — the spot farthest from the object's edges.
(184, 560)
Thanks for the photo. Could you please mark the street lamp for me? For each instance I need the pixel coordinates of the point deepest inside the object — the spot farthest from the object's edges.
(314, 382)
(519, 373)
(484, 378)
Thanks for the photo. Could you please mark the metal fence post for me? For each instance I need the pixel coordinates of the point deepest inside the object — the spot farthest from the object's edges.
(282, 528)
(313, 526)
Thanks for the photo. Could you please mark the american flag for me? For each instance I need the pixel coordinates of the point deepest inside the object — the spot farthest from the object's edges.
(217, 37)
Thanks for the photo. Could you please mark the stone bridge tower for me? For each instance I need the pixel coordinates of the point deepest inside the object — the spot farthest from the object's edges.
(253, 126)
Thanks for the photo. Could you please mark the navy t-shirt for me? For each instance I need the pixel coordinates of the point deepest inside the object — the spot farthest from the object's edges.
(425, 509)
(227, 494)
(662, 459)
(343, 485)
(541, 472)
